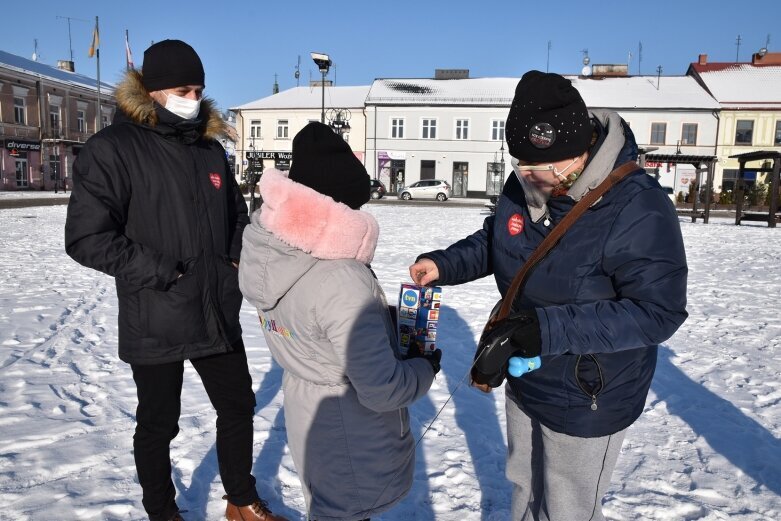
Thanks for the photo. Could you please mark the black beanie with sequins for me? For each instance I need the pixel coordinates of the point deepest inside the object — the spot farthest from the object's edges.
(323, 161)
(548, 120)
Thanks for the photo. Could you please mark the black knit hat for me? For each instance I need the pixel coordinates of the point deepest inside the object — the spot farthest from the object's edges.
(171, 63)
(324, 161)
(548, 120)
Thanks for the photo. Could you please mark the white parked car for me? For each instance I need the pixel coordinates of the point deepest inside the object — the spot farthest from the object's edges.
(426, 189)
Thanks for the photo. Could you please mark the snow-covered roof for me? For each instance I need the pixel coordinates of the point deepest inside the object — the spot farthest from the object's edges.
(311, 97)
(632, 92)
(423, 91)
(742, 85)
(641, 92)
(23, 65)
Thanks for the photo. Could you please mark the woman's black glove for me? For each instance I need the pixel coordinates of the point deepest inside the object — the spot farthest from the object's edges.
(516, 335)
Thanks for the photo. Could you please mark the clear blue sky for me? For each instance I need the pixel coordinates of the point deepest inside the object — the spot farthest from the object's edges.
(244, 43)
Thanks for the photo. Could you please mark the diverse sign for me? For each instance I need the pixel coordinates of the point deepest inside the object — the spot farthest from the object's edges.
(14, 146)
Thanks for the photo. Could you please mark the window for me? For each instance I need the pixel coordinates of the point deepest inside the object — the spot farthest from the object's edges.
(497, 130)
(254, 128)
(462, 129)
(658, 133)
(54, 118)
(397, 128)
(729, 177)
(22, 173)
(81, 121)
(689, 134)
(282, 129)
(104, 121)
(777, 138)
(744, 132)
(20, 111)
(429, 129)
(54, 165)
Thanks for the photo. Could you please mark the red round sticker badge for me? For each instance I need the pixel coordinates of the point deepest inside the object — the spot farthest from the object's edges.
(515, 224)
(216, 180)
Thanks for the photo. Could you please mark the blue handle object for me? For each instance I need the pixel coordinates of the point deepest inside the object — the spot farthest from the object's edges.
(520, 366)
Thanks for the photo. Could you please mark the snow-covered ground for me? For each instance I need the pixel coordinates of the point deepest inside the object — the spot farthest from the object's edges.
(707, 447)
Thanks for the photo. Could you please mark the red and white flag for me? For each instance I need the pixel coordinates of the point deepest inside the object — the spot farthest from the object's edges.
(128, 54)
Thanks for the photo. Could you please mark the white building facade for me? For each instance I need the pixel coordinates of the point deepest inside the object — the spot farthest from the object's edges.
(453, 130)
(266, 127)
(667, 115)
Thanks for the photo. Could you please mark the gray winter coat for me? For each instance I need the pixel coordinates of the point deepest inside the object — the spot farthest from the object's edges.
(327, 324)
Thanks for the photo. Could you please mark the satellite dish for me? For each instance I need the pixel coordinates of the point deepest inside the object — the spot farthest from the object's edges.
(586, 71)
(762, 52)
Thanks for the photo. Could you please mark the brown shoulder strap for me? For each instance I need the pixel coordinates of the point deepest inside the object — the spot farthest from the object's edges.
(558, 231)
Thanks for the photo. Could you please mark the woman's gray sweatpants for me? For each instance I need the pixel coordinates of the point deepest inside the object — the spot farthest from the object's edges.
(557, 477)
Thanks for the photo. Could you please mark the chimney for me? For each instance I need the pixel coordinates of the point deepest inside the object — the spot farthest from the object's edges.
(65, 65)
(766, 58)
(609, 70)
(703, 59)
(451, 74)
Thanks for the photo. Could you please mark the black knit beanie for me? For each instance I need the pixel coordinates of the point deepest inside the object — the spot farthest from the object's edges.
(548, 120)
(324, 161)
(171, 63)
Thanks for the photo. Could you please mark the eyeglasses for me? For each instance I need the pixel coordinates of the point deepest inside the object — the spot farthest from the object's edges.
(566, 181)
(536, 168)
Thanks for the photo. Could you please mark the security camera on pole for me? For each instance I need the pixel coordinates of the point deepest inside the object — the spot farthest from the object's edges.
(323, 63)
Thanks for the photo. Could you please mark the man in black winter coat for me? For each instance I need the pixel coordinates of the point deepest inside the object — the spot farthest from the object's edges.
(155, 206)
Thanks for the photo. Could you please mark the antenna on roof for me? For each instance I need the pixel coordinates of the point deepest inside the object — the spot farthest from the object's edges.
(639, 57)
(35, 51)
(275, 88)
(298, 70)
(547, 62)
(737, 52)
(658, 76)
(70, 41)
(763, 51)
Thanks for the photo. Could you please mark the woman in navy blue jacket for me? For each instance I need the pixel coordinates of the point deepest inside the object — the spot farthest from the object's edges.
(595, 308)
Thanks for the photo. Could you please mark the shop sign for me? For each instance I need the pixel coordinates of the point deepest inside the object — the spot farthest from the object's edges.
(14, 146)
(275, 156)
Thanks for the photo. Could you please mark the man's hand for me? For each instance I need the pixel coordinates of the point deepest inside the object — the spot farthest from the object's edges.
(424, 272)
(482, 387)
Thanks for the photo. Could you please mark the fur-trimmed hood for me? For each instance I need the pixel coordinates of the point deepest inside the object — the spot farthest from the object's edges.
(314, 223)
(294, 229)
(136, 103)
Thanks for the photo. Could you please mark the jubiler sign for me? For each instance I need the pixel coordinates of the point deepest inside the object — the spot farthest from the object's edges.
(276, 156)
(22, 146)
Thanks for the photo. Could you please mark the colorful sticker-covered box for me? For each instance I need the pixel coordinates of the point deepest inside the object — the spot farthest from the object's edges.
(418, 317)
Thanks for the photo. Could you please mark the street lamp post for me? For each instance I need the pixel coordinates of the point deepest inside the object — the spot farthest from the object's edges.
(253, 176)
(323, 62)
(495, 182)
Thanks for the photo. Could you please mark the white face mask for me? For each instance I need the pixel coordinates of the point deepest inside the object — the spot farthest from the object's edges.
(182, 107)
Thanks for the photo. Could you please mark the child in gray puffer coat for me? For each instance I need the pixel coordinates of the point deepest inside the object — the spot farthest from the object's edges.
(305, 267)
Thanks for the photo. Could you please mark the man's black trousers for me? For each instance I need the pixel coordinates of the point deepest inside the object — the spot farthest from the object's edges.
(228, 384)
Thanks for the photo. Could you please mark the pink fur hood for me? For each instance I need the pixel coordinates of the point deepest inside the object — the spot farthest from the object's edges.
(314, 223)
